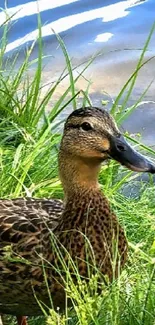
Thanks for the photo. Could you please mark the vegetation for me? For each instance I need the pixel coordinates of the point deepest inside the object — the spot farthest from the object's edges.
(29, 140)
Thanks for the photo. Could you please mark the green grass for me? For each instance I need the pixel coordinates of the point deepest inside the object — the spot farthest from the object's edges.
(29, 141)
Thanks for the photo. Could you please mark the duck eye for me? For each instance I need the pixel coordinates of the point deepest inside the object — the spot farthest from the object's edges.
(86, 126)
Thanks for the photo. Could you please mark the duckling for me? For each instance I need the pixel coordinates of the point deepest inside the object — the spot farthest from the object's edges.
(29, 228)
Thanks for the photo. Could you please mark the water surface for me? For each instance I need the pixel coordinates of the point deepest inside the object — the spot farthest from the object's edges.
(116, 29)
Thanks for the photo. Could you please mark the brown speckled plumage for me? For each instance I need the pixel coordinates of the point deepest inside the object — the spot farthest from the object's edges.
(29, 226)
(23, 227)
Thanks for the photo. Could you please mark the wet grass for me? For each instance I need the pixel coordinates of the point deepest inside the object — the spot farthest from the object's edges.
(29, 140)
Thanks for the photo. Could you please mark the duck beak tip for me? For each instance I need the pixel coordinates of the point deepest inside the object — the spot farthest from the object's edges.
(129, 157)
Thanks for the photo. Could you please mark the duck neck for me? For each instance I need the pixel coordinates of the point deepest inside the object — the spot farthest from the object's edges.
(78, 174)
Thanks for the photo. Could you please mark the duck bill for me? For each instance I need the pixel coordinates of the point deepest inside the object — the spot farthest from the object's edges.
(127, 156)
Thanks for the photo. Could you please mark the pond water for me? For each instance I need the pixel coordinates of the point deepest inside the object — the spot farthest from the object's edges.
(116, 29)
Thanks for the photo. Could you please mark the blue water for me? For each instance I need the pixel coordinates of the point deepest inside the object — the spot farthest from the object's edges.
(118, 29)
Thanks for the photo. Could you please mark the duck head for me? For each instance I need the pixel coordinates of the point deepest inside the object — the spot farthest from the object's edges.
(91, 134)
(90, 137)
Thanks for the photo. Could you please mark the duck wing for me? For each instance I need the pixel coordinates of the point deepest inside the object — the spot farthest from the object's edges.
(21, 218)
(25, 245)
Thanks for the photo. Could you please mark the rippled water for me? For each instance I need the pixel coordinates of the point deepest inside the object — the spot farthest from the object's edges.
(118, 29)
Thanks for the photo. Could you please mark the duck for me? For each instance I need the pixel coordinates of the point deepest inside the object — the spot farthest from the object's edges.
(34, 233)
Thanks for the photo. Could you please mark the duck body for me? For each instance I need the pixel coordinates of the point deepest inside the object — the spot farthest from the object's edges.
(41, 239)
(25, 246)
(23, 239)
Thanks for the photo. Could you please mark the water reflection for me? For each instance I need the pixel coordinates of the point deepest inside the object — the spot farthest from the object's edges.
(106, 13)
(118, 29)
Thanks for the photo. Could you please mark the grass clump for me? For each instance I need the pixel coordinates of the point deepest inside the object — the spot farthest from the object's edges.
(29, 140)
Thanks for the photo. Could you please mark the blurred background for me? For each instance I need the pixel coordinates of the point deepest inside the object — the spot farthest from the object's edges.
(115, 30)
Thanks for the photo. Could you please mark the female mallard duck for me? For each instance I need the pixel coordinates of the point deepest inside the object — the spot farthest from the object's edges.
(29, 227)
